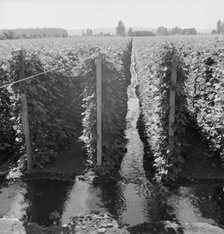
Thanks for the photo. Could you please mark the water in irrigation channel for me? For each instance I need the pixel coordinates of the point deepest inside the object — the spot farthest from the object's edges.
(132, 200)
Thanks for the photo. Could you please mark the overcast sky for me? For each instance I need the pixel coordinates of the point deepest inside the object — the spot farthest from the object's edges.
(78, 14)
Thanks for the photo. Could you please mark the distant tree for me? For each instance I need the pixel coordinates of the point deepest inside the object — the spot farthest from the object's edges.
(219, 27)
(89, 32)
(176, 31)
(130, 32)
(120, 29)
(162, 31)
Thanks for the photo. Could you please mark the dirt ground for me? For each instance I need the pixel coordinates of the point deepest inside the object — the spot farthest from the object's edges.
(10, 226)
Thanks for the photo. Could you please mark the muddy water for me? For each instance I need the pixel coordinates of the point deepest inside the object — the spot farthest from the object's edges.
(133, 200)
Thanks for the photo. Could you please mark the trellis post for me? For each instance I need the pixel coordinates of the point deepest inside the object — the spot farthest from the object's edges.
(172, 100)
(99, 108)
(25, 118)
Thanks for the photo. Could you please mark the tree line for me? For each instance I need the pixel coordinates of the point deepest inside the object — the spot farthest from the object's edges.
(120, 31)
(22, 33)
(161, 31)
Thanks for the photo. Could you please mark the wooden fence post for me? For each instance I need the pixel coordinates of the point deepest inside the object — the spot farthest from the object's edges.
(99, 108)
(172, 100)
(25, 118)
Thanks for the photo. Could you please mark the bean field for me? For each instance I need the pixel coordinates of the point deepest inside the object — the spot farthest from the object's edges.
(147, 157)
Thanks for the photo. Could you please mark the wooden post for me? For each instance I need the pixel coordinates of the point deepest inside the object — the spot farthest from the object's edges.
(25, 118)
(99, 109)
(172, 101)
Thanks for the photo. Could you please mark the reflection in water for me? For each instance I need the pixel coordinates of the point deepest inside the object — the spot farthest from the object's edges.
(156, 205)
(134, 212)
(83, 198)
(46, 200)
(210, 201)
(113, 198)
(198, 203)
(182, 206)
(12, 200)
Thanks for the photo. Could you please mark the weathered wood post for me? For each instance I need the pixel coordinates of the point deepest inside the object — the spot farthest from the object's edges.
(172, 100)
(99, 108)
(25, 117)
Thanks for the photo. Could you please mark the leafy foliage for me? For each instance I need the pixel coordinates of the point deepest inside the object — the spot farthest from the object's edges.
(54, 103)
(7, 133)
(206, 90)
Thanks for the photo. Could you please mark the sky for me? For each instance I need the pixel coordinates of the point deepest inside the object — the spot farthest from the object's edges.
(82, 14)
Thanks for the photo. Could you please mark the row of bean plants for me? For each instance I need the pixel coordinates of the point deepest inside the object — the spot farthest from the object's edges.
(205, 63)
(115, 79)
(153, 67)
(54, 102)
